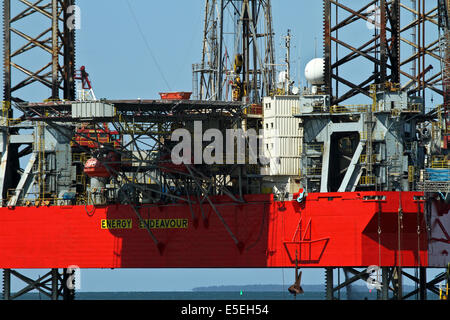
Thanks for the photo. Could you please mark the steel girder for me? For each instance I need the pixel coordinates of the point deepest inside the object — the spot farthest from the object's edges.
(53, 43)
(387, 46)
(53, 285)
(381, 48)
(52, 66)
(390, 280)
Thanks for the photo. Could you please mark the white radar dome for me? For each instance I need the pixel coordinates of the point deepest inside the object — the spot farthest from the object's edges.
(314, 71)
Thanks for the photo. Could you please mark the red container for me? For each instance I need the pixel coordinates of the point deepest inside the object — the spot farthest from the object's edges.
(175, 95)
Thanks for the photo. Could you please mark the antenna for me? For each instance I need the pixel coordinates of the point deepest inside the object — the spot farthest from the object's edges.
(315, 47)
(287, 80)
(299, 68)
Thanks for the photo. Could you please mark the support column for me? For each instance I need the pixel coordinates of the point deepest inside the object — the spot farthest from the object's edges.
(394, 47)
(423, 283)
(6, 284)
(383, 42)
(329, 283)
(54, 284)
(68, 288)
(69, 52)
(348, 280)
(397, 283)
(327, 47)
(385, 283)
(6, 51)
(55, 50)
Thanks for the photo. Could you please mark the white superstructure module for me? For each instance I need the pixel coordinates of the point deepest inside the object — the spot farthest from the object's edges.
(281, 143)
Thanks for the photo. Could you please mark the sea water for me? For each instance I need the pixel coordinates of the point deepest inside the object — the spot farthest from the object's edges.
(192, 295)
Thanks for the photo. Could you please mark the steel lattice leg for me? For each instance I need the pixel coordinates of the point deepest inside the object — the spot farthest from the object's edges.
(384, 283)
(329, 283)
(6, 284)
(423, 283)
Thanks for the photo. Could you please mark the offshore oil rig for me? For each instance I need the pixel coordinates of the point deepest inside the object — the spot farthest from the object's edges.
(93, 183)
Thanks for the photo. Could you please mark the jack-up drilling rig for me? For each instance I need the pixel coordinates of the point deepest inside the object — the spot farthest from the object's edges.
(334, 185)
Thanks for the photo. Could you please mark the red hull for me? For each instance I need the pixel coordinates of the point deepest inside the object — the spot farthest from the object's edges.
(327, 229)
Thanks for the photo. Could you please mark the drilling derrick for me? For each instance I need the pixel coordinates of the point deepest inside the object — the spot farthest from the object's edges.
(241, 59)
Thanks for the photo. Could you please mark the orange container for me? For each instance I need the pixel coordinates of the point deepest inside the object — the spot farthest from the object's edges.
(175, 95)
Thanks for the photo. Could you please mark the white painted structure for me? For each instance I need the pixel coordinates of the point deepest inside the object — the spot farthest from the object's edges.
(282, 140)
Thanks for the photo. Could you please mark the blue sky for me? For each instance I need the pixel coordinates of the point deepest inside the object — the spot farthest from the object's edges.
(121, 66)
(113, 49)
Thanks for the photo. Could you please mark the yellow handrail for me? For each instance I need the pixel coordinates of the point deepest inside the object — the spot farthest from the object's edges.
(357, 108)
(363, 158)
(440, 162)
(313, 171)
(363, 135)
(367, 180)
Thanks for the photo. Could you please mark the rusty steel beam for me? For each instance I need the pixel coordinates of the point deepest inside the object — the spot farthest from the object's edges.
(352, 18)
(327, 46)
(56, 39)
(6, 51)
(424, 48)
(68, 39)
(393, 16)
(381, 49)
(355, 14)
(363, 87)
(383, 44)
(354, 54)
(55, 50)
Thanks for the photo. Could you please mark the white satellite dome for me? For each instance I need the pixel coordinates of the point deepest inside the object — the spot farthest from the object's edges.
(314, 71)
